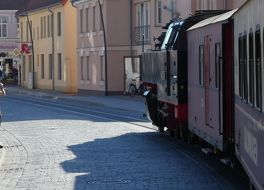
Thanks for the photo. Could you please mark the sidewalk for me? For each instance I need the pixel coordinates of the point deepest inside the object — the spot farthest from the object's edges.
(113, 101)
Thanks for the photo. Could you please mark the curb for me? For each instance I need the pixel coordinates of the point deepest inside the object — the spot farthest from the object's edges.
(63, 97)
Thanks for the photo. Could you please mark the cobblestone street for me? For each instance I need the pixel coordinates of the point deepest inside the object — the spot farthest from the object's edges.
(47, 149)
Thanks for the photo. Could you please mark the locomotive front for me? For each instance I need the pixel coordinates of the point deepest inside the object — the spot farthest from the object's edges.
(165, 80)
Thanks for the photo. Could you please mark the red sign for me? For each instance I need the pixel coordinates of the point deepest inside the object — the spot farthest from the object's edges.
(25, 48)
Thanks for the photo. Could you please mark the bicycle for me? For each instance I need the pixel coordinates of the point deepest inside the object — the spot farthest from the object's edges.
(133, 90)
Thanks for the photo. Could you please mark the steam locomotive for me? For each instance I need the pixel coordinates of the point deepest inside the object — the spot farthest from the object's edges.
(206, 81)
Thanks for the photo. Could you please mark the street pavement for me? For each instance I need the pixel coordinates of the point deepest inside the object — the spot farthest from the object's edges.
(124, 102)
(136, 104)
(47, 149)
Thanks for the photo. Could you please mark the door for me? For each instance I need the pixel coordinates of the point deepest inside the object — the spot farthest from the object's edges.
(227, 79)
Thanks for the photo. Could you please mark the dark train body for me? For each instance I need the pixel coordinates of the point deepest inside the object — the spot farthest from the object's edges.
(206, 81)
(165, 72)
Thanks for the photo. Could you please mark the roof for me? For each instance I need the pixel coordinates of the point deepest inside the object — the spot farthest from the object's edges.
(213, 20)
(11, 5)
(38, 4)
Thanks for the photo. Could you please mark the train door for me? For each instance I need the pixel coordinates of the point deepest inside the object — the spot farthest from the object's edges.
(206, 77)
(227, 82)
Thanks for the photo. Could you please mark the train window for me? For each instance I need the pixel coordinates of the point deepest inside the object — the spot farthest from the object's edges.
(201, 65)
(245, 63)
(251, 67)
(258, 69)
(217, 64)
(240, 56)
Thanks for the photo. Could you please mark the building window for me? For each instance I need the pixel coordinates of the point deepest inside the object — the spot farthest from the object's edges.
(50, 66)
(201, 65)
(101, 23)
(59, 23)
(3, 26)
(27, 27)
(245, 66)
(240, 63)
(37, 32)
(82, 68)
(42, 67)
(81, 20)
(102, 67)
(158, 12)
(30, 63)
(87, 68)
(258, 69)
(87, 19)
(49, 19)
(143, 21)
(34, 34)
(41, 27)
(22, 31)
(38, 60)
(217, 64)
(251, 68)
(45, 28)
(23, 68)
(94, 18)
(59, 67)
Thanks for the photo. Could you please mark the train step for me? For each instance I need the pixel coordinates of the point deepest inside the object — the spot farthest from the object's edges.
(226, 161)
(207, 150)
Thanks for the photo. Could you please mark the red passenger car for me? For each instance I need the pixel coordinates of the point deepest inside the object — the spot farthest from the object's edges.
(210, 80)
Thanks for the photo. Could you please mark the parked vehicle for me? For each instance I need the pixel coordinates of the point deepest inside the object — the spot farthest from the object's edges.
(211, 86)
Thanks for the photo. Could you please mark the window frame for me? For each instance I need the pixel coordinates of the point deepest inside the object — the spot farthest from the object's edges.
(59, 32)
(217, 64)
(245, 67)
(82, 67)
(59, 66)
(201, 64)
(4, 26)
(251, 83)
(240, 65)
(50, 66)
(102, 68)
(158, 11)
(258, 68)
(42, 63)
(81, 20)
(88, 68)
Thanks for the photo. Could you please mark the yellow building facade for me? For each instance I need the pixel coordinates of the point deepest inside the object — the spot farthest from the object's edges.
(52, 28)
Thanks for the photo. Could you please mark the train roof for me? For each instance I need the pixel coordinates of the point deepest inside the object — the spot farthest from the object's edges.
(214, 19)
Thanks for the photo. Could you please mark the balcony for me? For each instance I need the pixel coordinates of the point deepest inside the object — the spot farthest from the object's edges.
(139, 32)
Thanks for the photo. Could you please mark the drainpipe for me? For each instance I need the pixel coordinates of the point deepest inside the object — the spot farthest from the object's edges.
(105, 48)
(32, 45)
(53, 50)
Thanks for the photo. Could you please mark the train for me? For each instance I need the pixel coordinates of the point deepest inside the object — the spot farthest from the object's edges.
(205, 82)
